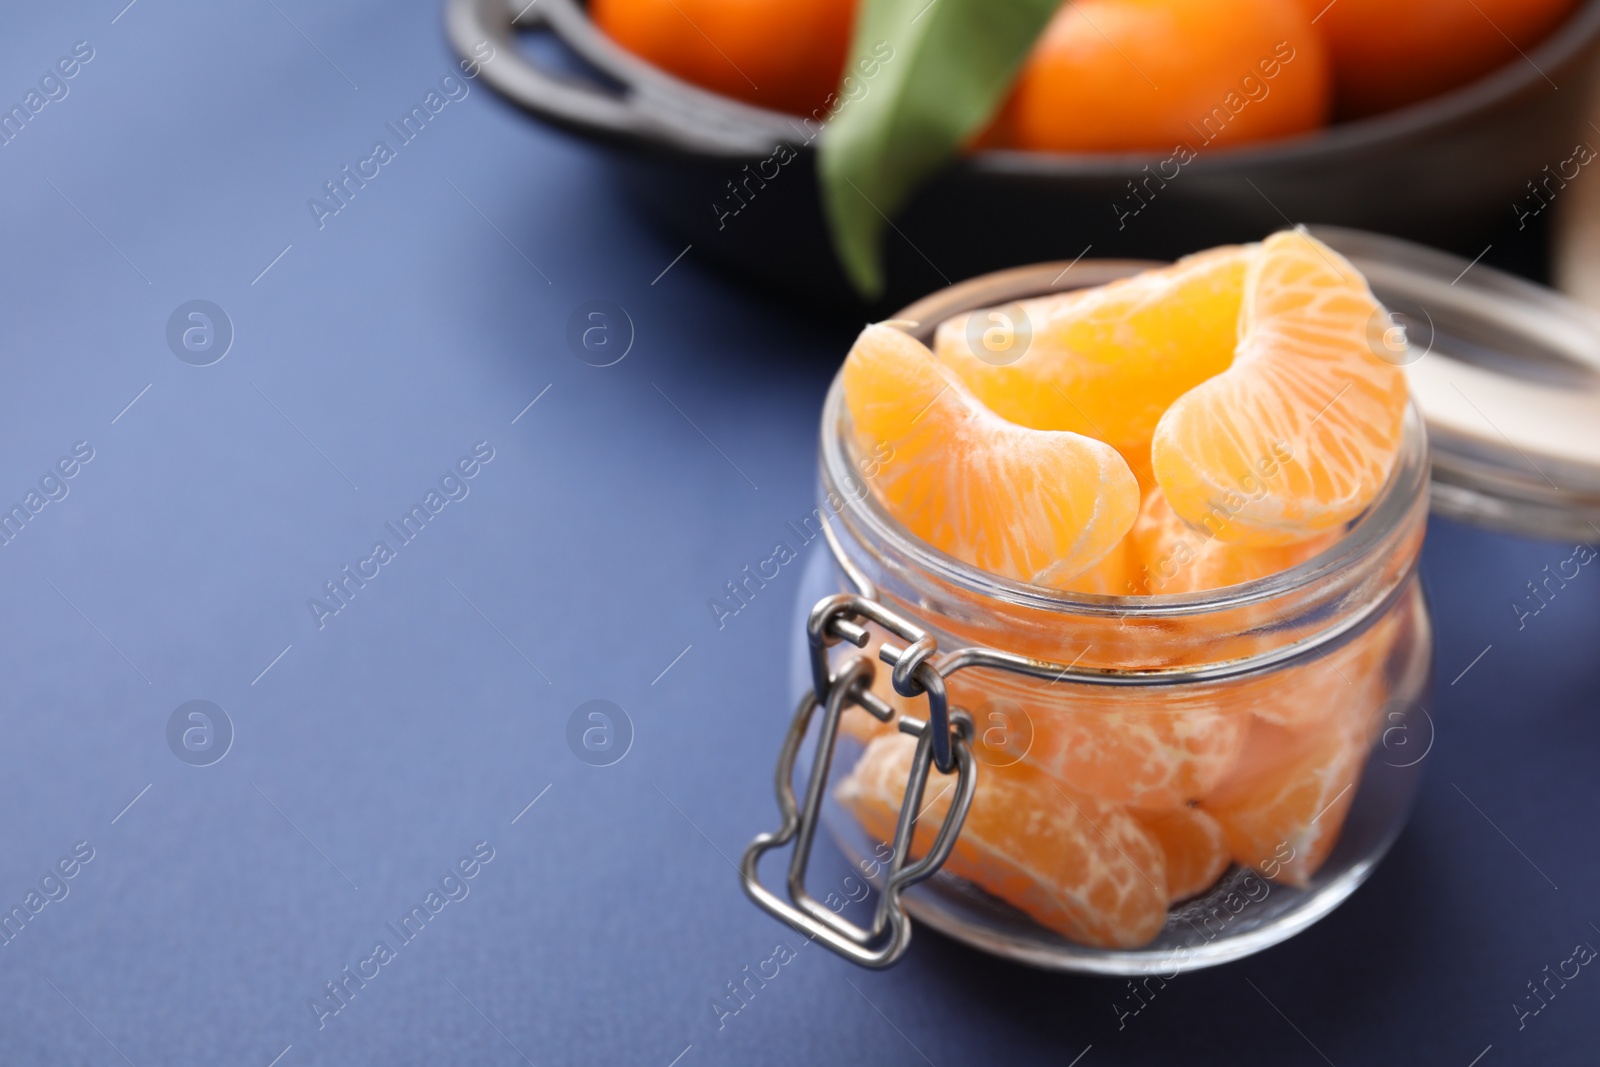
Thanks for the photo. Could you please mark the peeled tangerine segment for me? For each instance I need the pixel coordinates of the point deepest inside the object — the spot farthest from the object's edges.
(1035, 506)
(1155, 759)
(1284, 802)
(1298, 435)
(1081, 867)
(1349, 683)
(1112, 576)
(1194, 846)
(1104, 362)
(1174, 557)
(1153, 752)
(1282, 808)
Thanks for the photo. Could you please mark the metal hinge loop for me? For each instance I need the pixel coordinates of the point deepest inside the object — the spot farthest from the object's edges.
(943, 742)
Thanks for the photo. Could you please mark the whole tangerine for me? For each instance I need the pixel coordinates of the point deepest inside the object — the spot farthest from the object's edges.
(1144, 75)
(1386, 55)
(786, 55)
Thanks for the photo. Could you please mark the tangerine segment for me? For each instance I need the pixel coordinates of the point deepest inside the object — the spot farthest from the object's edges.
(1112, 576)
(1299, 434)
(1174, 557)
(1154, 751)
(1031, 505)
(1155, 759)
(1193, 844)
(1105, 362)
(1282, 808)
(1348, 684)
(1078, 866)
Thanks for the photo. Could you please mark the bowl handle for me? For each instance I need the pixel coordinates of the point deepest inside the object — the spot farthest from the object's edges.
(645, 106)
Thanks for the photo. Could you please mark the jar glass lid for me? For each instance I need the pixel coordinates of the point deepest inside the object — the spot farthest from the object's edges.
(1507, 376)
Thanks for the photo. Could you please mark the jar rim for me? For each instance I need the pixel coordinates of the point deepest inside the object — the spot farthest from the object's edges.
(871, 524)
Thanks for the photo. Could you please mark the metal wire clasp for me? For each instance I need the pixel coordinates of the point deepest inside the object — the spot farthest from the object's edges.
(943, 742)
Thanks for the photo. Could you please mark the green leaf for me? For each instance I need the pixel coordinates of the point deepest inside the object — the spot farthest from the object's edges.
(923, 77)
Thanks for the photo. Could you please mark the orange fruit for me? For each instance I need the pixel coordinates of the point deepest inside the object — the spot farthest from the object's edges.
(781, 54)
(1299, 434)
(1283, 806)
(1134, 75)
(1105, 362)
(1193, 845)
(1386, 55)
(1078, 866)
(1036, 506)
(1174, 557)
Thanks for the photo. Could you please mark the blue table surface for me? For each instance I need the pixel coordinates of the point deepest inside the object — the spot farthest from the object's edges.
(376, 747)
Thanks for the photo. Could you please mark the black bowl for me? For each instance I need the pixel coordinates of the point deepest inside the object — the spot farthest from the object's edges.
(1452, 171)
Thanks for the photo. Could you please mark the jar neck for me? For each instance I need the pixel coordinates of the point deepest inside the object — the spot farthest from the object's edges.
(1235, 630)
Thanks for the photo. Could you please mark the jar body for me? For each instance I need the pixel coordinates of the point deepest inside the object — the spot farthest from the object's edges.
(1376, 735)
(1210, 772)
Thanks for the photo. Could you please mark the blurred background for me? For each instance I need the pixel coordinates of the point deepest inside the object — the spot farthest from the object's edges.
(285, 281)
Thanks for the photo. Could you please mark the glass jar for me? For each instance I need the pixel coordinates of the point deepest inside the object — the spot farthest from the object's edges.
(1289, 712)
